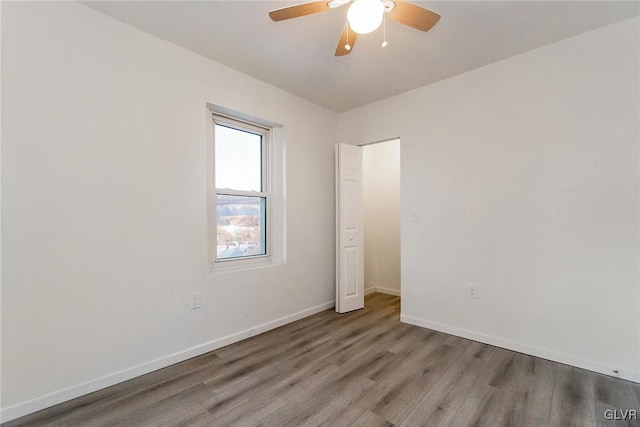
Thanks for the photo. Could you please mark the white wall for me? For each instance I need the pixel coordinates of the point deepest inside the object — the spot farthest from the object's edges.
(381, 173)
(526, 176)
(105, 205)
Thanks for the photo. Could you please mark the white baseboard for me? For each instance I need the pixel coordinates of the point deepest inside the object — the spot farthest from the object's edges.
(63, 395)
(543, 353)
(388, 291)
(381, 290)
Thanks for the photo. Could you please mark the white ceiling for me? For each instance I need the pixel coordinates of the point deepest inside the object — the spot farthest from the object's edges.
(298, 55)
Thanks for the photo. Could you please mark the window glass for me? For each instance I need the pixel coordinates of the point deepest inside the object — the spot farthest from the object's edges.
(241, 226)
(238, 159)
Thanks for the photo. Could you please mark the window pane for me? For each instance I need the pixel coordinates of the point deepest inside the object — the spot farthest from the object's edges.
(241, 226)
(238, 159)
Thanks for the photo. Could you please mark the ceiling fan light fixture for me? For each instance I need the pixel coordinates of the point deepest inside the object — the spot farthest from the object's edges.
(365, 16)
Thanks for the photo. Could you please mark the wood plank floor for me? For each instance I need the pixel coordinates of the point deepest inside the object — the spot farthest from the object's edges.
(362, 369)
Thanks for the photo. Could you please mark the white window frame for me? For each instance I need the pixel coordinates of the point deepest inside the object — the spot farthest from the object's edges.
(272, 190)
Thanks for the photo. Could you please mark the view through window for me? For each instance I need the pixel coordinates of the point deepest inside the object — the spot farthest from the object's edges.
(242, 199)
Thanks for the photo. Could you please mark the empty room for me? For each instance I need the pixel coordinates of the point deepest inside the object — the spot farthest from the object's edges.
(332, 213)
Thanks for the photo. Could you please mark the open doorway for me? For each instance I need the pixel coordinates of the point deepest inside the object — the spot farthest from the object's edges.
(381, 205)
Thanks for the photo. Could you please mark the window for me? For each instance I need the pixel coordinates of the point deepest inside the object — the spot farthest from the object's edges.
(242, 189)
(246, 212)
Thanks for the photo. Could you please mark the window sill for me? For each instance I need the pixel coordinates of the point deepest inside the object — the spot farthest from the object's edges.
(241, 265)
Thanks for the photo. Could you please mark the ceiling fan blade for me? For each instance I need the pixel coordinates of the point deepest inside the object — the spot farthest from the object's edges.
(347, 34)
(298, 10)
(413, 15)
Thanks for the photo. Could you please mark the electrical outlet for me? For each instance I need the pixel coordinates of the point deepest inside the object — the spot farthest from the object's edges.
(472, 291)
(415, 216)
(194, 300)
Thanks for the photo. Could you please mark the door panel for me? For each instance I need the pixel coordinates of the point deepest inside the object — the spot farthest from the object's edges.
(351, 271)
(349, 229)
(350, 189)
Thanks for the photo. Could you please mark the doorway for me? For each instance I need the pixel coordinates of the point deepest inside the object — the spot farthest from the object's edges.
(382, 207)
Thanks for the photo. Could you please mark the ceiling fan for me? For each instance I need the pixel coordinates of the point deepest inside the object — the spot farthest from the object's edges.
(363, 17)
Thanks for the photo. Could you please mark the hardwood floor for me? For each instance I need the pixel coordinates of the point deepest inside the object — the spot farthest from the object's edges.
(362, 369)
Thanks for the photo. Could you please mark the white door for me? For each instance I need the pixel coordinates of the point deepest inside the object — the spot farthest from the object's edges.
(349, 229)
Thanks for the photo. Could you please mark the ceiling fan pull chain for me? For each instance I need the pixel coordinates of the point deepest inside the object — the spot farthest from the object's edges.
(347, 46)
(384, 31)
